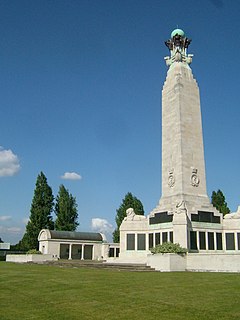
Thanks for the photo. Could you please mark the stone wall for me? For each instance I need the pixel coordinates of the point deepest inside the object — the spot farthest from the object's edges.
(23, 258)
(198, 262)
(167, 262)
(221, 262)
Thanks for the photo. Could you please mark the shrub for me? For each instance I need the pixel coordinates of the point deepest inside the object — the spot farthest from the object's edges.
(33, 251)
(168, 247)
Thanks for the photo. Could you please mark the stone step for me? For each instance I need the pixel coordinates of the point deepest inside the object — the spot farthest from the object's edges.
(99, 265)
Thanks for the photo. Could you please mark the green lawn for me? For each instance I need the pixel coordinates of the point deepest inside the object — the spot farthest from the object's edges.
(47, 292)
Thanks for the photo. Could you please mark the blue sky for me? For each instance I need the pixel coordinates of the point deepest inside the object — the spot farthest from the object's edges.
(81, 89)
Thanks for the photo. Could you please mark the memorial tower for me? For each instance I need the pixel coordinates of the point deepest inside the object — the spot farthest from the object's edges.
(184, 195)
(183, 166)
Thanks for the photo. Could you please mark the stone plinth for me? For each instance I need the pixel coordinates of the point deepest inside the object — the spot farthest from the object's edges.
(167, 262)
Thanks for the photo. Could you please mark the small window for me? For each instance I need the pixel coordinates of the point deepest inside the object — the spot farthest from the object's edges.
(117, 252)
(230, 243)
(210, 241)
(171, 236)
(141, 242)
(111, 252)
(202, 240)
(164, 237)
(193, 240)
(238, 238)
(219, 241)
(130, 241)
(157, 239)
(150, 240)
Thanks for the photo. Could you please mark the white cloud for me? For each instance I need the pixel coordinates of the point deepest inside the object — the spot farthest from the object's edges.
(101, 225)
(5, 218)
(11, 234)
(71, 176)
(12, 230)
(9, 163)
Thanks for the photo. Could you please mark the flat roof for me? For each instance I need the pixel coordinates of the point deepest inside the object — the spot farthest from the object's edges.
(73, 235)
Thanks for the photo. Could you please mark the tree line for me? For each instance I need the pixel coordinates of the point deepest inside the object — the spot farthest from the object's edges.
(42, 207)
(65, 209)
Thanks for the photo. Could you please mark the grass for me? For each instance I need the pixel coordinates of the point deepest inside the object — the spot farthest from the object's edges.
(47, 292)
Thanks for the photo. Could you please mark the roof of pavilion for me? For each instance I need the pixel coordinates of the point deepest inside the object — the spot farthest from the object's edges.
(71, 235)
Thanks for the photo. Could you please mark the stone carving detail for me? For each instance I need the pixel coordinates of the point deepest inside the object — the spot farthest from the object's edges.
(181, 207)
(177, 46)
(132, 216)
(130, 212)
(171, 178)
(194, 178)
(234, 215)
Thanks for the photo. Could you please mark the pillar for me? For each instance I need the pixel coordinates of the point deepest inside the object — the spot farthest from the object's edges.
(82, 252)
(70, 252)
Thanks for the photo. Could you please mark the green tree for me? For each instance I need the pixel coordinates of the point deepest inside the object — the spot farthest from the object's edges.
(40, 214)
(66, 211)
(218, 201)
(129, 201)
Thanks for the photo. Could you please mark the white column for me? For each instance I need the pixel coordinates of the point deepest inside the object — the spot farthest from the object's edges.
(146, 241)
(236, 241)
(198, 243)
(206, 238)
(82, 252)
(205, 235)
(70, 252)
(215, 240)
(224, 241)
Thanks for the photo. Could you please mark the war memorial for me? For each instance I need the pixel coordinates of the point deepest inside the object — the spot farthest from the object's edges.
(184, 214)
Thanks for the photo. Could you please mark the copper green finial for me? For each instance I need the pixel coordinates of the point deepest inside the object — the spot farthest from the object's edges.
(180, 32)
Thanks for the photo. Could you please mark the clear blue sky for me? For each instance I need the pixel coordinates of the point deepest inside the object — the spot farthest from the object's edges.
(81, 92)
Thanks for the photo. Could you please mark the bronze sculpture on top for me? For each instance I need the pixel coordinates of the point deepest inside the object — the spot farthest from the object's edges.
(177, 46)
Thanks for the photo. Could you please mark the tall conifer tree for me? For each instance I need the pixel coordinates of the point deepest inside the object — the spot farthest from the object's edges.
(129, 201)
(66, 211)
(218, 201)
(40, 216)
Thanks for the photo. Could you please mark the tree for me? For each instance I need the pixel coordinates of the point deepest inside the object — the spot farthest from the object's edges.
(66, 211)
(128, 202)
(40, 216)
(1, 241)
(218, 201)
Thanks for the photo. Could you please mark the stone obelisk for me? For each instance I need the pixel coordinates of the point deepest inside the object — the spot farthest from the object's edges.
(183, 166)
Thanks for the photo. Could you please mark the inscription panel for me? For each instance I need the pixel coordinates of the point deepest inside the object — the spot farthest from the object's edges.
(161, 217)
(205, 216)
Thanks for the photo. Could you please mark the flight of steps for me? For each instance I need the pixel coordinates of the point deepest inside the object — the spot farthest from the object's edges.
(99, 265)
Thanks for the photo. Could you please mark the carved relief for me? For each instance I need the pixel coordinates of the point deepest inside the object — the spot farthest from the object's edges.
(171, 178)
(132, 216)
(181, 207)
(194, 178)
(234, 215)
